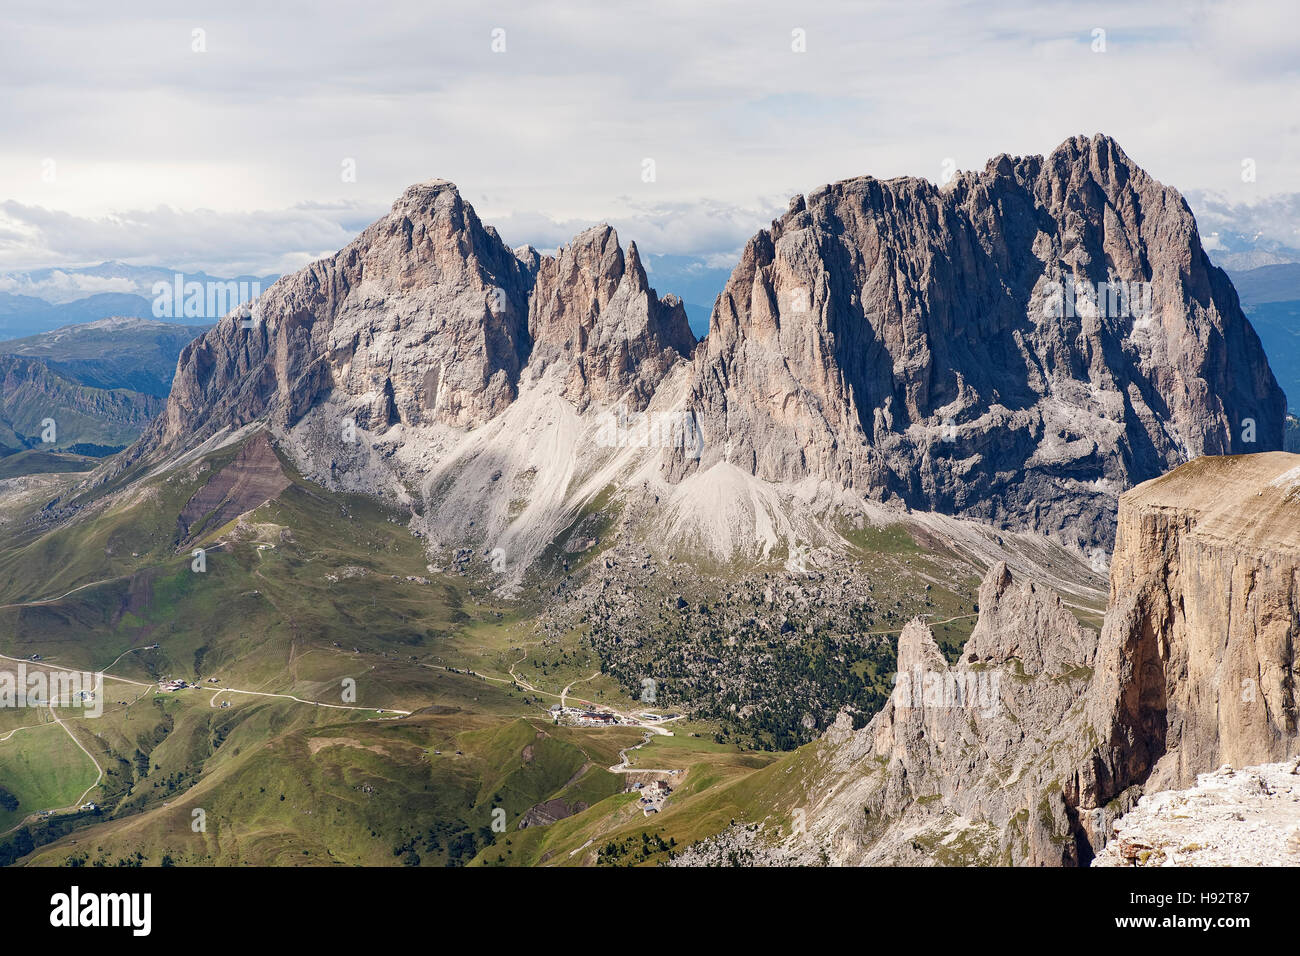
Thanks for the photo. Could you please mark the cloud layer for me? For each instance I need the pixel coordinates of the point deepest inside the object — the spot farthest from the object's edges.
(221, 139)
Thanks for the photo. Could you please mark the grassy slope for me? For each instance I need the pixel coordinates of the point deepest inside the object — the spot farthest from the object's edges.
(41, 767)
(282, 608)
(295, 617)
(720, 785)
(33, 461)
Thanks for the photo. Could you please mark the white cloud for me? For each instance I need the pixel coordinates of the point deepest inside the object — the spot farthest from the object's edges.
(1267, 221)
(159, 150)
(218, 242)
(60, 286)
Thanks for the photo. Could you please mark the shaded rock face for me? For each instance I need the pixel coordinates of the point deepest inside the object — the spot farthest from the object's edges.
(1202, 635)
(1195, 667)
(595, 320)
(953, 347)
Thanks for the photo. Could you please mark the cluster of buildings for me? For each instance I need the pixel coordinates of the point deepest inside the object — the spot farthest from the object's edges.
(653, 795)
(585, 718)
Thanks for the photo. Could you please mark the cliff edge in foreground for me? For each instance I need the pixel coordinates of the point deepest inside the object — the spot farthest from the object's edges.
(1030, 747)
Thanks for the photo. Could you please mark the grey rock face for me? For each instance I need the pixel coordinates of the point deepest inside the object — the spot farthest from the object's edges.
(921, 343)
(422, 318)
(1018, 347)
(594, 316)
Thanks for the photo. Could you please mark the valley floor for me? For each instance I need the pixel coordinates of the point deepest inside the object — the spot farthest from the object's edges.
(314, 691)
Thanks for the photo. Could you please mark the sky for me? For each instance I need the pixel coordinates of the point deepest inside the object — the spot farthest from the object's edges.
(240, 137)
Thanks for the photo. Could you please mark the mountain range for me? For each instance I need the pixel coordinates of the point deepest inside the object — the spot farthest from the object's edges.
(99, 382)
(940, 349)
(600, 592)
(41, 300)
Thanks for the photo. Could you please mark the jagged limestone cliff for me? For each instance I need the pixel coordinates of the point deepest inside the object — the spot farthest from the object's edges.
(971, 762)
(1058, 731)
(1020, 345)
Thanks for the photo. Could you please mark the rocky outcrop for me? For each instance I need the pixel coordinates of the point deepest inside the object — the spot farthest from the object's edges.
(968, 763)
(596, 322)
(1247, 817)
(551, 811)
(427, 318)
(1030, 747)
(1200, 664)
(1018, 346)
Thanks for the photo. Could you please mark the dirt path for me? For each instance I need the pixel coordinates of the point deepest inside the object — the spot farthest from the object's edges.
(81, 587)
(622, 766)
(78, 803)
(899, 630)
(314, 703)
(581, 680)
(52, 600)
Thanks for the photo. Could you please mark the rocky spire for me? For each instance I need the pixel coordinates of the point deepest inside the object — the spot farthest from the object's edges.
(596, 320)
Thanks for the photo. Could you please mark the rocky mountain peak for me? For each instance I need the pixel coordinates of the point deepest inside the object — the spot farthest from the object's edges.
(970, 756)
(1018, 346)
(426, 194)
(529, 257)
(421, 318)
(427, 320)
(595, 319)
(1021, 620)
(917, 648)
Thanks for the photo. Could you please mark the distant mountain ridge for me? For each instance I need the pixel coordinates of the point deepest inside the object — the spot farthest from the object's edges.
(41, 300)
(1270, 296)
(1273, 283)
(39, 408)
(100, 383)
(118, 352)
(22, 316)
